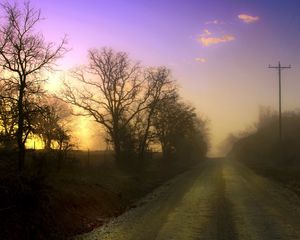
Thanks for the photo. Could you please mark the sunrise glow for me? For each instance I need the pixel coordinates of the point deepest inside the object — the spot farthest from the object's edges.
(149, 119)
(218, 50)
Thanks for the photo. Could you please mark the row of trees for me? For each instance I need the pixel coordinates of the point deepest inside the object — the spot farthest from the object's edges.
(261, 146)
(138, 107)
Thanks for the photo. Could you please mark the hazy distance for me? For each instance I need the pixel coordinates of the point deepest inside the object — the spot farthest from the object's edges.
(218, 51)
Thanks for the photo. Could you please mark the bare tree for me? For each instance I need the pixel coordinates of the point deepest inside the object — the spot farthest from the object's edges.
(159, 87)
(24, 54)
(112, 91)
(8, 118)
(50, 123)
(179, 130)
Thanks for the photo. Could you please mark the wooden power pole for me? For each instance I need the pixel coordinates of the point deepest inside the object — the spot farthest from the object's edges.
(279, 67)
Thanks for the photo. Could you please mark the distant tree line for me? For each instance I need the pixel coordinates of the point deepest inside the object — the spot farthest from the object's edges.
(138, 107)
(261, 145)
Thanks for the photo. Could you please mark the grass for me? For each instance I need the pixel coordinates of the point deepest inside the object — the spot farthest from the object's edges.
(287, 175)
(59, 200)
(267, 157)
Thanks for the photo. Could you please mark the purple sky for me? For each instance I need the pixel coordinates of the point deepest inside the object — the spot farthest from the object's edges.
(218, 50)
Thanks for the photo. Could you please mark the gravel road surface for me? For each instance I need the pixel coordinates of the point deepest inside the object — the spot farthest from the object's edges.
(218, 200)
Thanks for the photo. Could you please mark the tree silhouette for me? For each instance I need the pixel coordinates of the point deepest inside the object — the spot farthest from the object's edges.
(179, 130)
(24, 54)
(50, 123)
(160, 88)
(111, 92)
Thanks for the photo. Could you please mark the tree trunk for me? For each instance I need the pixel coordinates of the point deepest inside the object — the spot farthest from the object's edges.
(166, 151)
(142, 147)
(115, 134)
(143, 143)
(20, 131)
(48, 144)
(117, 144)
(117, 148)
(21, 157)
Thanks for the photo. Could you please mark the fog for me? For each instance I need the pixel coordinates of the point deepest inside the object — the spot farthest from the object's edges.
(144, 120)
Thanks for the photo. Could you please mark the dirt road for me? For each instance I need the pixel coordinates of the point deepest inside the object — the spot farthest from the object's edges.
(222, 200)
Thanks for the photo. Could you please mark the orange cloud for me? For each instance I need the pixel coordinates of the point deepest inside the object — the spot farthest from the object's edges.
(200, 60)
(207, 41)
(247, 18)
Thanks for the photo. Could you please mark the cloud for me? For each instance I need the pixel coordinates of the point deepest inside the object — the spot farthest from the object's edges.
(200, 60)
(216, 22)
(205, 33)
(207, 41)
(247, 18)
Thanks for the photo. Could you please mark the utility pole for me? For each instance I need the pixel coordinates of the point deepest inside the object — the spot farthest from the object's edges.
(279, 67)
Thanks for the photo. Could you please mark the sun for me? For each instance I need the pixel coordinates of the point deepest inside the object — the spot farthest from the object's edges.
(54, 81)
(34, 142)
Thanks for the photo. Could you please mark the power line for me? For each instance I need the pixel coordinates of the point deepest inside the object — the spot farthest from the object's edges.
(279, 67)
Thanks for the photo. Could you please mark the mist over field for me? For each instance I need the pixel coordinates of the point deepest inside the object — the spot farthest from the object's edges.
(149, 120)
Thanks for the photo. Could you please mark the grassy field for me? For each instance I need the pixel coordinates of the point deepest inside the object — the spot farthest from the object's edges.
(280, 162)
(288, 175)
(59, 200)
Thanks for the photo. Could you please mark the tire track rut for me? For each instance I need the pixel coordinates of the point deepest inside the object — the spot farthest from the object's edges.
(219, 200)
